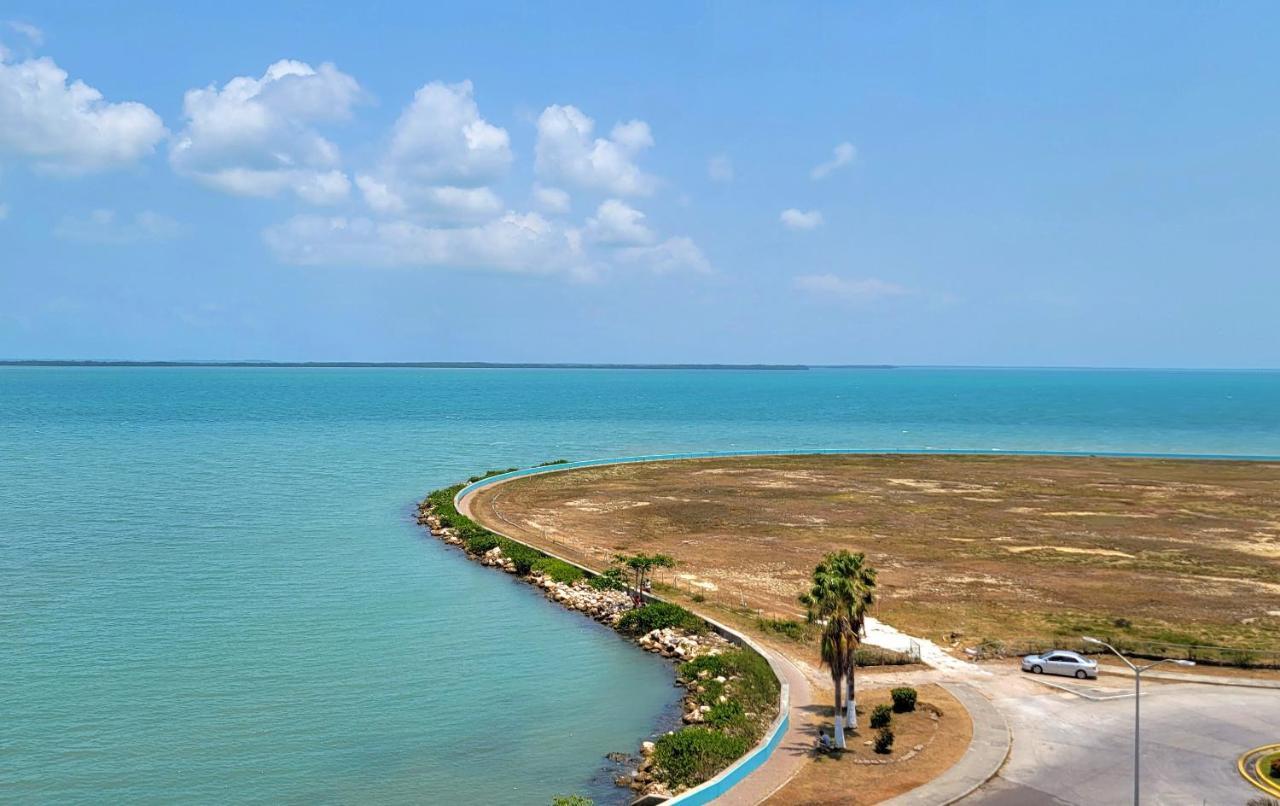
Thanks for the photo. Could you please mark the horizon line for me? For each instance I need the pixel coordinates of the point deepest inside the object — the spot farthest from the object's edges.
(267, 364)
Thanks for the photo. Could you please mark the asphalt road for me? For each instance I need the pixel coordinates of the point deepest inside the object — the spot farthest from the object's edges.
(1072, 750)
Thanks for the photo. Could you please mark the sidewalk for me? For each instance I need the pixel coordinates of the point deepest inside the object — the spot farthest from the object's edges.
(792, 752)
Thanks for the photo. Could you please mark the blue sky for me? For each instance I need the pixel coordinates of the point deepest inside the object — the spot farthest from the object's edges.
(1000, 184)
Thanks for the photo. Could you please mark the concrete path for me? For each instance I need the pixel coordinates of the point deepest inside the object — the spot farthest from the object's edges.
(791, 753)
(987, 752)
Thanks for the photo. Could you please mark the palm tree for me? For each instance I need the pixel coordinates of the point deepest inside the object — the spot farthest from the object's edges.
(838, 597)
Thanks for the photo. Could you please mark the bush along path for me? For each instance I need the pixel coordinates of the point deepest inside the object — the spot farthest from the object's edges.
(731, 694)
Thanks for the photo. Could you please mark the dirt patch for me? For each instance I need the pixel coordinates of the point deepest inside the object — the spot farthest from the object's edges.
(939, 726)
(969, 548)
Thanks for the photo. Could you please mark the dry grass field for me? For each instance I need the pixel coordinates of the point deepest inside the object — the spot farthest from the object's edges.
(969, 547)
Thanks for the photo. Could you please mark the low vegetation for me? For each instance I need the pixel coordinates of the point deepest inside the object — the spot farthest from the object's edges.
(689, 757)
(883, 742)
(742, 693)
(904, 700)
(882, 716)
(660, 616)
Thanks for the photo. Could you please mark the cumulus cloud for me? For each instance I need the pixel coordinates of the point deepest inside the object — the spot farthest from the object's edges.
(843, 155)
(566, 151)
(831, 286)
(551, 200)
(69, 127)
(518, 243)
(105, 227)
(673, 254)
(795, 219)
(440, 138)
(616, 223)
(441, 155)
(720, 168)
(257, 136)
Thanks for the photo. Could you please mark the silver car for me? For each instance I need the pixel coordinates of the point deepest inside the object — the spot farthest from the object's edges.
(1060, 661)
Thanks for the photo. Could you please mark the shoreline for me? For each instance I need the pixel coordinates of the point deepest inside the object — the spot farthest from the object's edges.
(696, 655)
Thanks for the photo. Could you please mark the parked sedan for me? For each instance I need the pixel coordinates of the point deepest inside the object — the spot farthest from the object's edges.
(1060, 661)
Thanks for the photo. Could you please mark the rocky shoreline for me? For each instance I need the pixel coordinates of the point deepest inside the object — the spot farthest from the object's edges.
(607, 607)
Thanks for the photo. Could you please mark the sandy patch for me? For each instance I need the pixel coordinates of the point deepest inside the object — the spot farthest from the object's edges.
(597, 506)
(942, 487)
(1084, 513)
(1068, 550)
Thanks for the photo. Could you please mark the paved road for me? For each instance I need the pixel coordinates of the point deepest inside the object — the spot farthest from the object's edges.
(1071, 750)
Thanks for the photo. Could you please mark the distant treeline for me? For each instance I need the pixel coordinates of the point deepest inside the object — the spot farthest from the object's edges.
(407, 364)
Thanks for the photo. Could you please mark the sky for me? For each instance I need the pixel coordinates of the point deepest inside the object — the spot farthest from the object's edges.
(1042, 184)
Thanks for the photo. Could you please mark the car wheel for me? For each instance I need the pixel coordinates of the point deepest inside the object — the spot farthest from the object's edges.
(1037, 669)
(1080, 675)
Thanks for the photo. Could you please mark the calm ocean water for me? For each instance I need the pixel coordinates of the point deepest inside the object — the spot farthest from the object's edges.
(211, 588)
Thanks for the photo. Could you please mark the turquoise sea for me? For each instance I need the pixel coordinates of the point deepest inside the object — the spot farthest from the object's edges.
(212, 590)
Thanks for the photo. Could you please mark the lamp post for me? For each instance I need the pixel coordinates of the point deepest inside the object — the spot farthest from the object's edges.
(1137, 705)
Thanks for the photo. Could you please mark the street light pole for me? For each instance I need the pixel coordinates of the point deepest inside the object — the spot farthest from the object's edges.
(1137, 707)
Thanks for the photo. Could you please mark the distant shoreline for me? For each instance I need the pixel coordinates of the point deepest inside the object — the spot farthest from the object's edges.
(406, 365)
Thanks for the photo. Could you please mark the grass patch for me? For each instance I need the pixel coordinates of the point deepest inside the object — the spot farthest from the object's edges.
(559, 570)
(791, 629)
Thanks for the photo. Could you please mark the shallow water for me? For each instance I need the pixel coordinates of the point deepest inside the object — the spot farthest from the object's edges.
(211, 587)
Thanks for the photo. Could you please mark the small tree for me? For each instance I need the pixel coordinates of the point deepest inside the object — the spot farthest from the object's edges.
(642, 566)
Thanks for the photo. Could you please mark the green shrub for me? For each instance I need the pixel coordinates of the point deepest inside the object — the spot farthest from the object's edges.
(480, 543)
(693, 755)
(524, 558)
(698, 597)
(884, 740)
(881, 716)
(660, 616)
(904, 699)
(612, 579)
(559, 570)
(731, 718)
(571, 800)
(787, 628)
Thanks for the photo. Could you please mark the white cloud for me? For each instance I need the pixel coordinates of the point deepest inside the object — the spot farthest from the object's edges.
(566, 151)
(379, 196)
(518, 243)
(551, 200)
(256, 136)
(673, 254)
(831, 286)
(843, 155)
(616, 223)
(795, 219)
(32, 34)
(69, 127)
(440, 138)
(720, 168)
(105, 227)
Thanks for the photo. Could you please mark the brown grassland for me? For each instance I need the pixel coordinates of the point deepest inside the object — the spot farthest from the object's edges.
(969, 548)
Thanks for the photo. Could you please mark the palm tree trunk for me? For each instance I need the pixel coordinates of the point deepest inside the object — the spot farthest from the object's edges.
(838, 735)
(851, 700)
